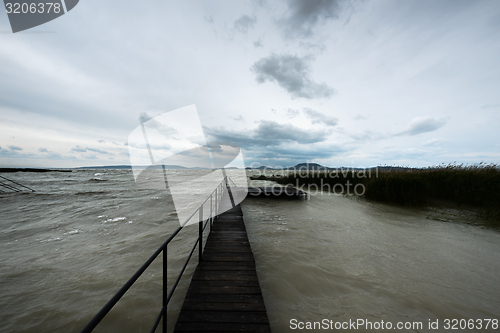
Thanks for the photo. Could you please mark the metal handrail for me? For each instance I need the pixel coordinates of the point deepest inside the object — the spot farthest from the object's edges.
(217, 193)
(13, 188)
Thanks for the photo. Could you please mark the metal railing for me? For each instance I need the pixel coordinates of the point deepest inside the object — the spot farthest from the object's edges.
(12, 186)
(215, 199)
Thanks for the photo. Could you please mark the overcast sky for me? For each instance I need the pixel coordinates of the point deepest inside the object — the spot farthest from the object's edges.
(340, 83)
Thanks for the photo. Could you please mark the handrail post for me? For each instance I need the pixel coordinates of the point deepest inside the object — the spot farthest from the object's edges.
(165, 290)
(211, 212)
(216, 199)
(200, 231)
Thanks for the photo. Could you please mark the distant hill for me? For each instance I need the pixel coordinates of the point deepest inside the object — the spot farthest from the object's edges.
(106, 167)
(319, 167)
(308, 166)
(300, 166)
(9, 170)
(137, 167)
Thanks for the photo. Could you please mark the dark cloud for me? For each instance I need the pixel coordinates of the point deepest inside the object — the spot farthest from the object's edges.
(297, 154)
(101, 141)
(43, 150)
(319, 118)
(303, 16)
(244, 23)
(7, 152)
(423, 125)
(144, 118)
(257, 43)
(159, 126)
(56, 156)
(95, 150)
(312, 47)
(268, 133)
(270, 130)
(239, 118)
(292, 74)
(14, 153)
(278, 144)
(259, 2)
(78, 149)
(11, 147)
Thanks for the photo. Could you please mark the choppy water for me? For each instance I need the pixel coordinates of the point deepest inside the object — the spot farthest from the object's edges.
(340, 258)
(66, 249)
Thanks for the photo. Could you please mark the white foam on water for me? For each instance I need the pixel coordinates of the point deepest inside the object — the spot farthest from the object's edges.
(116, 219)
(51, 240)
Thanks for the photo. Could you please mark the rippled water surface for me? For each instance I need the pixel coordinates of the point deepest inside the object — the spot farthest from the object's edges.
(66, 249)
(341, 258)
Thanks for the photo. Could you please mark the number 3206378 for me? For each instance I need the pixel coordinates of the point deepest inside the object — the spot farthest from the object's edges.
(25, 8)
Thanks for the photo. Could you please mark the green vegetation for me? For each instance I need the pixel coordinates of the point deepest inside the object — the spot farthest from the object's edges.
(475, 186)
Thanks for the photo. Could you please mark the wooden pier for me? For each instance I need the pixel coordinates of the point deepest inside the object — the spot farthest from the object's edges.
(225, 295)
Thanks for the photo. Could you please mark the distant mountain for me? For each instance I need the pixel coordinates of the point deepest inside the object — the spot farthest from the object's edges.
(262, 167)
(107, 167)
(9, 170)
(319, 167)
(308, 166)
(300, 166)
(137, 167)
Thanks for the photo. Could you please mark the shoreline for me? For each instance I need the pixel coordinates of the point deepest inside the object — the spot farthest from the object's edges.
(12, 170)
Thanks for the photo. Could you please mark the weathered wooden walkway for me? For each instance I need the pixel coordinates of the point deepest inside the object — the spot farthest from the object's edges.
(224, 295)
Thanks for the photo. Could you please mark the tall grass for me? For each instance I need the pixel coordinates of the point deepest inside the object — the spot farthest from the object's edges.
(461, 185)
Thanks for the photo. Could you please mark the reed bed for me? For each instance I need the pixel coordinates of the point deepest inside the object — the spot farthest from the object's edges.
(460, 185)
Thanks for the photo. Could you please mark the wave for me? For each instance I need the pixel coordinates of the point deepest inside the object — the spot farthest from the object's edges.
(97, 179)
(92, 192)
(116, 219)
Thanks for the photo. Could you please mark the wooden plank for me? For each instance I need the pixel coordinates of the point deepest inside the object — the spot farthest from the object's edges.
(223, 327)
(220, 306)
(242, 317)
(241, 282)
(222, 298)
(224, 294)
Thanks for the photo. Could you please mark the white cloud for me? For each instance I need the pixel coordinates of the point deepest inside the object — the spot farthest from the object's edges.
(423, 125)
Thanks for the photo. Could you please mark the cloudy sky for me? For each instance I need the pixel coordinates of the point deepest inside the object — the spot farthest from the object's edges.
(340, 83)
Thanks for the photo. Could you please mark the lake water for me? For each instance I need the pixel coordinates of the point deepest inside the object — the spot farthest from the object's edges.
(67, 248)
